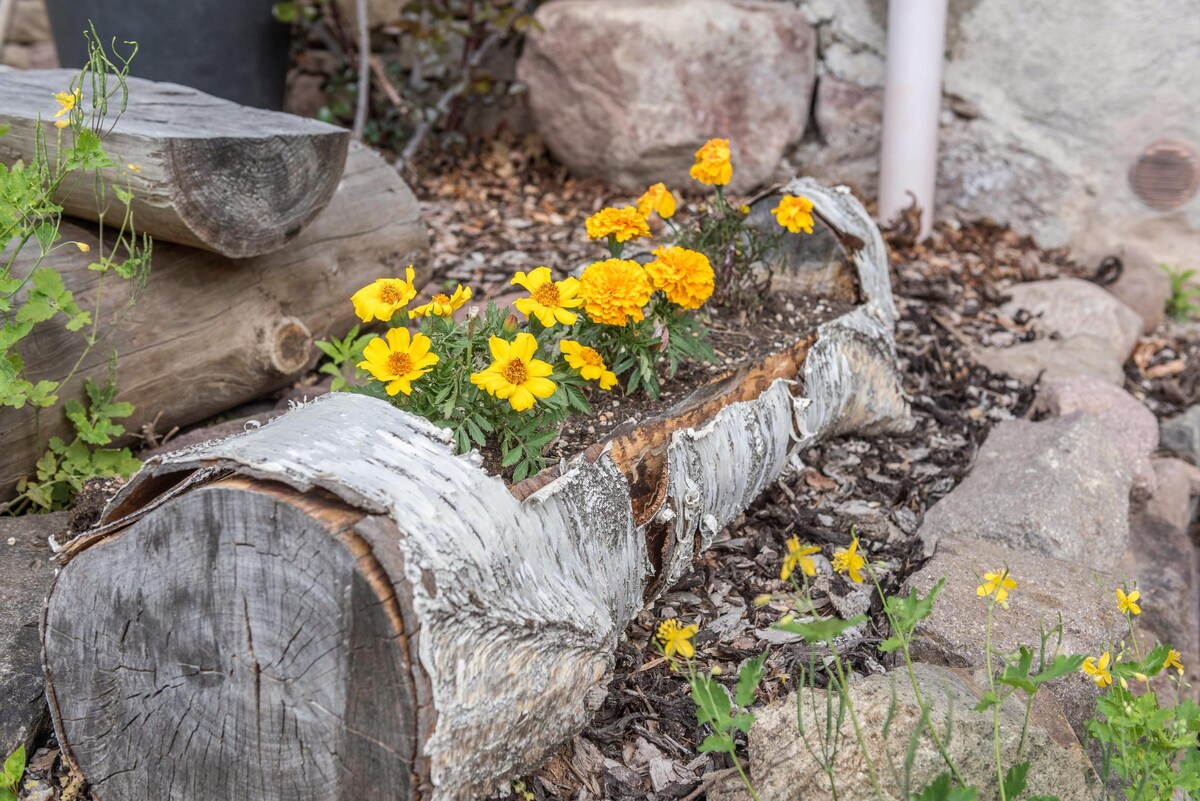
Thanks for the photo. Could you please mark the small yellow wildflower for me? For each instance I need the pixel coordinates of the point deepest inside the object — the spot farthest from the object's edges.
(382, 298)
(621, 224)
(657, 199)
(133, 167)
(67, 102)
(676, 638)
(744, 209)
(763, 599)
(515, 375)
(1128, 603)
(1098, 670)
(84, 247)
(443, 305)
(685, 276)
(548, 300)
(588, 362)
(997, 584)
(614, 291)
(850, 561)
(399, 360)
(794, 213)
(1173, 660)
(798, 556)
(713, 166)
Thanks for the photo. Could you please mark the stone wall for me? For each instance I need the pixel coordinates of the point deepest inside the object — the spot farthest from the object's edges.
(28, 44)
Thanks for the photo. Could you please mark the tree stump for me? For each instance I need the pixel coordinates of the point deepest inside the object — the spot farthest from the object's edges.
(234, 180)
(335, 607)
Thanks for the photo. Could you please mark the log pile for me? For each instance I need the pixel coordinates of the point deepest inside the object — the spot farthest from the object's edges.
(335, 606)
(264, 224)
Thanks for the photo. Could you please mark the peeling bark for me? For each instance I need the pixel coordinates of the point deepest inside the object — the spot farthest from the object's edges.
(474, 624)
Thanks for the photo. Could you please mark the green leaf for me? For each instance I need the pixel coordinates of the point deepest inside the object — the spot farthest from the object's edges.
(46, 235)
(712, 704)
(988, 700)
(48, 282)
(942, 789)
(720, 743)
(88, 153)
(749, 678)
(1014, 780)
(1062, 665)
(35, 310)
(14, 766)
(510, 457)
(820, 630)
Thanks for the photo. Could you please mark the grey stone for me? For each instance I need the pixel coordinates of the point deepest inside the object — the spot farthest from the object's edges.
(1059, 488)
(1180, 435)
(628, 90)
(1142, 286)
(26, 573)
(1029, 362)
(848, 117)
(1132, 426)
(1069, 307)
(1046, 588)
(784, 764)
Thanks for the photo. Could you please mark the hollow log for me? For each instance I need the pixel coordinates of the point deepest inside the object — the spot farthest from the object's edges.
(209, 332)
(212, 174)
(335, 607)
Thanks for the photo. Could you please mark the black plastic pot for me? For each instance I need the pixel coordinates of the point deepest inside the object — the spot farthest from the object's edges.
(233, 49)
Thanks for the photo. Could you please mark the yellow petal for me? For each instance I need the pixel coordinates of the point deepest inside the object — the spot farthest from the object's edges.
(521, 399)
(541, 387)
(499, 348)
(523, 347)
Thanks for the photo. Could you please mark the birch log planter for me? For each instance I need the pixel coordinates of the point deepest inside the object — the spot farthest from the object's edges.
(334, 606)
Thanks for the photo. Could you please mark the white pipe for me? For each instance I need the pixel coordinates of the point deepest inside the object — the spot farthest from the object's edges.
(912, 105)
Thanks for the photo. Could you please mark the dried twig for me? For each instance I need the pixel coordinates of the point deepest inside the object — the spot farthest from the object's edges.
(364, 69)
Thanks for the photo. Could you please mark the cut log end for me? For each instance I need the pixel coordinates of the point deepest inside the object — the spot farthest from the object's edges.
(260, 200)
(275, 635)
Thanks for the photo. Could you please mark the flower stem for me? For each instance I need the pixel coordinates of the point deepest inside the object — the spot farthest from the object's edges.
(987, 655)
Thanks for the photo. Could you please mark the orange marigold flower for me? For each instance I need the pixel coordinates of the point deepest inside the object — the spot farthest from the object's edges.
(794, 213)
(621, 224)
(614, 291)
(713, 165)
(685, 276)
(657, 199)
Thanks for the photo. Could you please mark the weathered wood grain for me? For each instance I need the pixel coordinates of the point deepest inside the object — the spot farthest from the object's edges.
(210, 332)
(214, 175)
(510, 607)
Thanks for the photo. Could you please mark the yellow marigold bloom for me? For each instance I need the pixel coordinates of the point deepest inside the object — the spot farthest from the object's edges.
(1128, 603)
(84, 247)
(515, 375)
(548, 300)
(67, 102)
(588, 362)
(713, 165)
(997, 585)
(686, 276)
(657, 199)
(1098, 670)
(850, 561)
(794, 213)
(384, 297)
(1173, 660)
(443, 305)
(676, 638)
(621, 224)
(798, 556)
(614, 291)
(399, 360)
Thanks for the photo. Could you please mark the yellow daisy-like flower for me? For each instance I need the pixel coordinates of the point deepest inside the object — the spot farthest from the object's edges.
(398, 360)
(515, 375)
(713, 166)
(548, 300)
(133, 167)
(997, 585)
(614, 291)
(849, 561)
(798, 555)
(1128, 603)
(657, 199)
(588, 362)
(1098, 670)
(384, 297)
(686, 276)
(621, 224)
(443, 305)
(676, 638)
(1173, 660)
(794, 213)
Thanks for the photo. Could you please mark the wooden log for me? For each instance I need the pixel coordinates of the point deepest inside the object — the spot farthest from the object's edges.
(335, 607)
(230, 179)
(210, 332)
